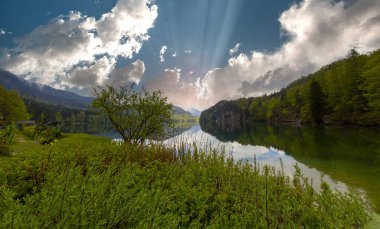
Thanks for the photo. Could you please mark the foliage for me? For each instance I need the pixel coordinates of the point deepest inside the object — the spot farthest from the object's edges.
(82, 181)
(313, 108)
(12, 107)
(344, 92)
(134, 116)
(41, 111)
(47, 133)
(6, 139)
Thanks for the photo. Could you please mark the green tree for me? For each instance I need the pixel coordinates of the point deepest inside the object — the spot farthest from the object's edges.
(313, 109)
(353, 100)
(134, 116)
(371, 86)
(72, 118)
(12, 107)
(80, 117)
(58, 117)
(42, 117)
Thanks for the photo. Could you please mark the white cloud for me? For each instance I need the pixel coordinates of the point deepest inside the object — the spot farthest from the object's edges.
(188, 51)
(73, 49)
(320, 32)
(235, 49)
(132, 73)
(91, 75)
(174, 54)
(3, 32)
(162, 53)
(179, 90)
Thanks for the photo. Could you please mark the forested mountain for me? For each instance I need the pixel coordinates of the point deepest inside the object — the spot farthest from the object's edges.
(43, 92)
(344, 92)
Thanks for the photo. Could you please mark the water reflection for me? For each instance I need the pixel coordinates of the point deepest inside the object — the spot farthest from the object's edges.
(107, 130)
(265, 155)
(350, 155)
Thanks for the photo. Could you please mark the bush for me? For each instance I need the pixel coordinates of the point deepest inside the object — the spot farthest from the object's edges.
(48, 133)
(6, 138)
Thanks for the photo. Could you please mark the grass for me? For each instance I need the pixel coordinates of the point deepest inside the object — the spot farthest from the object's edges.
(85, 181)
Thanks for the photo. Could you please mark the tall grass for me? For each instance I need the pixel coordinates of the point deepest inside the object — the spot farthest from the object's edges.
(180, 185)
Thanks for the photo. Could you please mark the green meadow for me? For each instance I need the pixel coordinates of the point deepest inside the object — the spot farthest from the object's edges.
(86, 181)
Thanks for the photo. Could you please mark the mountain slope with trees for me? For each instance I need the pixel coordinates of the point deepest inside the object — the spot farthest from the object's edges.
(43, 92)
(44, 102)
(344, 92)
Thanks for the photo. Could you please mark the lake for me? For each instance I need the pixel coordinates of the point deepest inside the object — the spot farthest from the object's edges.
(346, 158)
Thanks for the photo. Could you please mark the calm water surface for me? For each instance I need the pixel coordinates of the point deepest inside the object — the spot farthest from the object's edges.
(346, 158)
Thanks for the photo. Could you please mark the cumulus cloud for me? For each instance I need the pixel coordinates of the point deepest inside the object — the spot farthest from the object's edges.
(162, 53)
(188, 51)
(132, 73)
(90, 76)
(320, 32)
(235, 49)
(74, 49)
(181, 91)
(174, 54)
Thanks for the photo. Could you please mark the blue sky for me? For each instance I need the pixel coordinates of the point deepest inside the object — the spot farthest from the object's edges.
(210, 49)
(209, 30)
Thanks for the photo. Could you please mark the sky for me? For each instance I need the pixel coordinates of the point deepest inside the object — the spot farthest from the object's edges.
(197, 52)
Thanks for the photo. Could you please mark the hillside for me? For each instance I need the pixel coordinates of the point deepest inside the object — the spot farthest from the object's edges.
(344, 92)
(44, 99)
(180, 111)
(43, 92)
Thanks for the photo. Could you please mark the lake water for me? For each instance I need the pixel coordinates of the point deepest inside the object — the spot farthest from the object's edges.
(346, 158)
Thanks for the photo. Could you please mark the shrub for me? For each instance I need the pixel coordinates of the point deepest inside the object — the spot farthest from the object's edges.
(6, 138)
(48, 133)
(160, 189)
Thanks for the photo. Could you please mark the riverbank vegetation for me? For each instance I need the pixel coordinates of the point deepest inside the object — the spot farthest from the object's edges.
(344, 92)
(85, 181)
(347, 154)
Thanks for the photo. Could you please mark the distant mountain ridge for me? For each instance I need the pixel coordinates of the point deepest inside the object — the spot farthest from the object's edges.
(180, 111)
(43, 92)
(51, 95)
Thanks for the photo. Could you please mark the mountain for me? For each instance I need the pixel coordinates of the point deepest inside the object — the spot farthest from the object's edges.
(194, 112)
(43, 93)
(180, 111)
(48, 95)
(346, 92)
